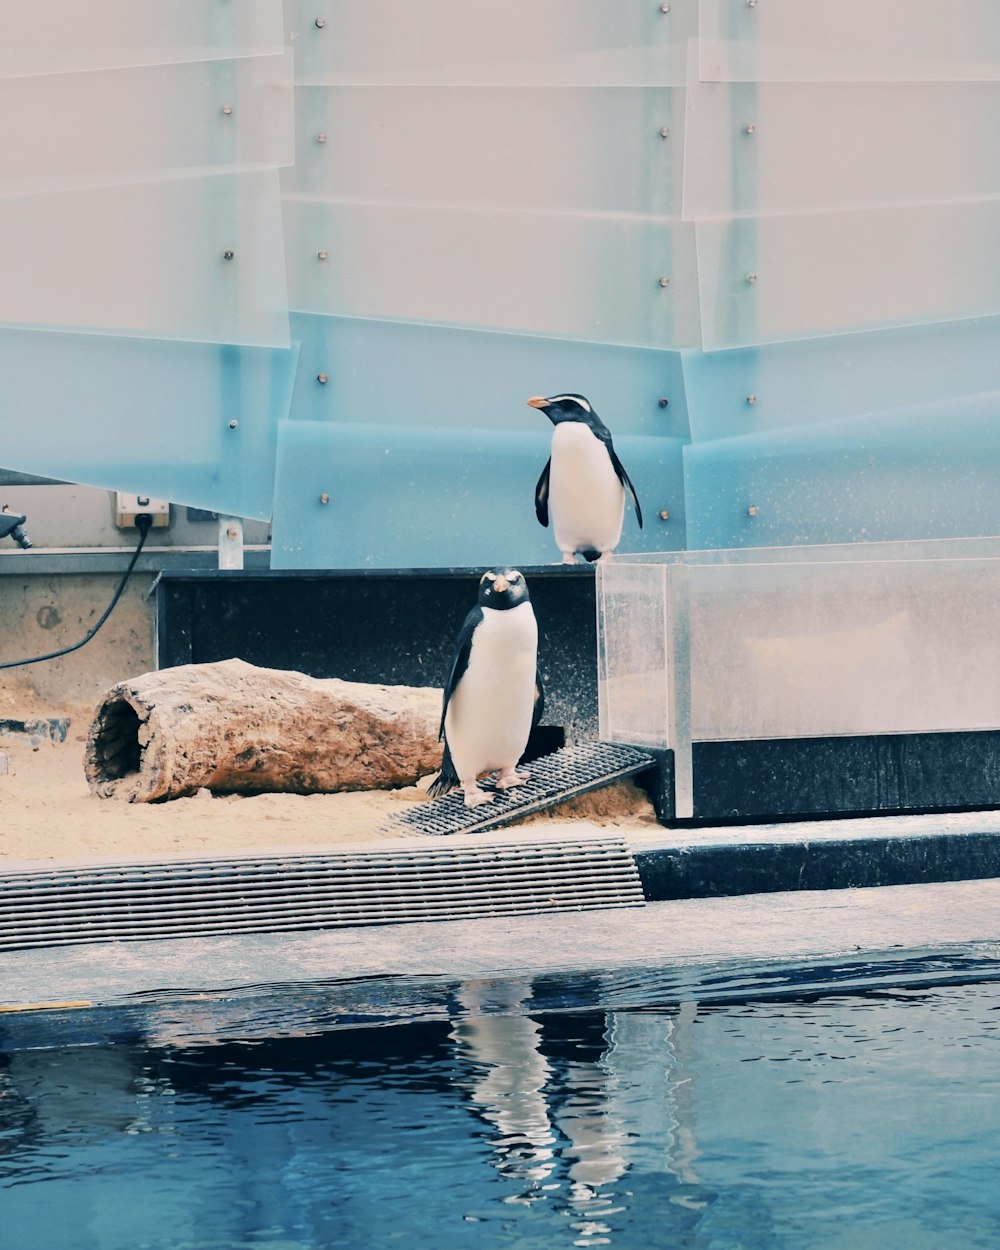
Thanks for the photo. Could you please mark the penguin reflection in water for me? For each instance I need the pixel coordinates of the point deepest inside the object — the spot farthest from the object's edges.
(583, 484)
(493, 697)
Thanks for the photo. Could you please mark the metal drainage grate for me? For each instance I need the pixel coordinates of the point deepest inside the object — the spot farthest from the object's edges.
(554, 778)
(199, 898)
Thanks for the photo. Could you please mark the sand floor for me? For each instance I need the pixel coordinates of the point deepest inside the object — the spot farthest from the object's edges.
(48, 812)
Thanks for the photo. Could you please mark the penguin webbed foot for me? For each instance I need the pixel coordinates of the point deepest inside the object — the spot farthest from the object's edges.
(474, 796)
(510, 778)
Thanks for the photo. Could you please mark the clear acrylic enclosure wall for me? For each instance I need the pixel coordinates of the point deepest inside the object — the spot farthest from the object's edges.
(799, 642)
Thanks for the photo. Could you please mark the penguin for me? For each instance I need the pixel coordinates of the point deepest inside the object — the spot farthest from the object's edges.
(493, 697)
(584, 482)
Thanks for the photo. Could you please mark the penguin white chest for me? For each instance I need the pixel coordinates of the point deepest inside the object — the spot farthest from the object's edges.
(489, 713)
(586, 499)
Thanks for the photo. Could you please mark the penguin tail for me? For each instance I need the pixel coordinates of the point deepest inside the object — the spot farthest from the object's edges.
(447, 778)
(590, 554)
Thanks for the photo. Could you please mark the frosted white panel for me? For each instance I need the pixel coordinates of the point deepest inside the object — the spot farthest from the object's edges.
(195, 423)
(850, 40)
(820, 146)
(128, 124)
(759, 389)
(589, 276)
(149, 259)
(531, 147)
(927, 472)
(481, 42)
(826, 644)
(69, 35)
(438, 376)
(771, 278)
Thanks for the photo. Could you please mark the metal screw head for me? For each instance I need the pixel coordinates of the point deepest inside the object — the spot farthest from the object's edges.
(664, 403)
(664, 8)
(228, 254)
(322, 378)
(234, 424)
(750, 128)
(751, 4)
(664, 515)
(320, 23)
(664, 132)
(664, 282)
(322, 254)
(324, 498)
(227, 109)
(232, 533)
(752, 510)
(751, 278)
(751, 400)
(321, 137)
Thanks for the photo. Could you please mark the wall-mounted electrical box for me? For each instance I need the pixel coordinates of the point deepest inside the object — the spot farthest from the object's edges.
(128, 507)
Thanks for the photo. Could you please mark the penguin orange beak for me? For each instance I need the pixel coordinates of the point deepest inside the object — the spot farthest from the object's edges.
(501, 584)
(537, 402)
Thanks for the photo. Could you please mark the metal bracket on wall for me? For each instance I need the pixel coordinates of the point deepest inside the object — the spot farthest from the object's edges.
(230, 542)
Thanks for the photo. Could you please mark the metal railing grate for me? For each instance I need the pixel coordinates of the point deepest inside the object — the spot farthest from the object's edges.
(562, 775)
(266, 894)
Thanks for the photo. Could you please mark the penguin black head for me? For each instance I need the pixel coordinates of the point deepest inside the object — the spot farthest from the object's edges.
(568, 407)
(502, 590)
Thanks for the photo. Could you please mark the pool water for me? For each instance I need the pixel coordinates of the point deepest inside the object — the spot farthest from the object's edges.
(848, 1121)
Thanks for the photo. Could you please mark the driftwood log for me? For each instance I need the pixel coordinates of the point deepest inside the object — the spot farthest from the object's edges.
(232, 727)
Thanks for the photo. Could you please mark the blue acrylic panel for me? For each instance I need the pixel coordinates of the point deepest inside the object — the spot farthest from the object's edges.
(590, 276)
(760, 148)
(122, 125)
(471, 378)
(755, 389)
(480, 43)
(398, 497)
(765, 279)
(195, 423)
(849, 41)
(577, 149)
(194, 258)
(66, 35)
(926, 472)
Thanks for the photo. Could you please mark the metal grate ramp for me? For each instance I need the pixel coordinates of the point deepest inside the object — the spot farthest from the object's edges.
(554, 778)
(336, 889)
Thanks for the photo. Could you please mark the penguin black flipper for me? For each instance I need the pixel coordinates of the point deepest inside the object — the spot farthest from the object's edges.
(625, 480)
(461, 661)
(446, 780)
(539, 708)
(542, 494)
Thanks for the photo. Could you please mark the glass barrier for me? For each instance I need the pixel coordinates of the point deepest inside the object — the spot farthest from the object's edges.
(535, 148)
(461, 378)
(123, 125)
(757, 647)
(64, 36)
(593, 277)
(761, 148)
(480, 43)
(771, 278)
(194, 423)
(850, 41)
(781, 385)
(405, 497)
(926, 472)
(197, 258)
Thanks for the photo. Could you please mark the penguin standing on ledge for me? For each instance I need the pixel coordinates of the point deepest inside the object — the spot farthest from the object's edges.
(583, 484)
(493, 698)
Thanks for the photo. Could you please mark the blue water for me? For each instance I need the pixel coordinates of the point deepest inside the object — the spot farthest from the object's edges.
(837, 1123)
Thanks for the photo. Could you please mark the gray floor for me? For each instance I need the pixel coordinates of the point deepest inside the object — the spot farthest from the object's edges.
(689, 935)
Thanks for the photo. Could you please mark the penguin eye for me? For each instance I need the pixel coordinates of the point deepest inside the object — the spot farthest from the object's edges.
(488, 577)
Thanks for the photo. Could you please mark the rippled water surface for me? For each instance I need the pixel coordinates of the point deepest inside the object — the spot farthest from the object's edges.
(842, 1123)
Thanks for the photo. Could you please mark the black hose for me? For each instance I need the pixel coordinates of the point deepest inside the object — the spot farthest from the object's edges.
(143, 522)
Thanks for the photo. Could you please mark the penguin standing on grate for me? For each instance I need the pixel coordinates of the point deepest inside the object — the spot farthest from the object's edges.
(493, 697)
(583, 485)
